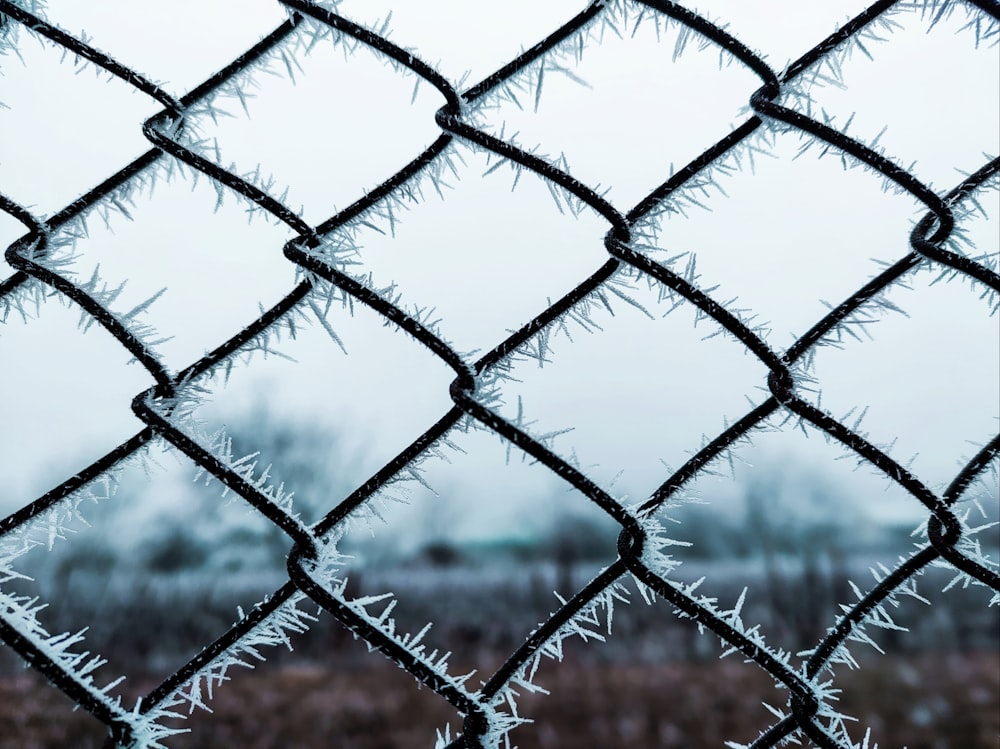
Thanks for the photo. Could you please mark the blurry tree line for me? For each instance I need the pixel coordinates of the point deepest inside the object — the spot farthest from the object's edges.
(781, 518)
(184, 566)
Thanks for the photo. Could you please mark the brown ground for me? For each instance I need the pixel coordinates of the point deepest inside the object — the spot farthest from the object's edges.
(925, 702)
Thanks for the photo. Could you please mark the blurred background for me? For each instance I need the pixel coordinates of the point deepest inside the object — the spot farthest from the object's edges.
(478, 542)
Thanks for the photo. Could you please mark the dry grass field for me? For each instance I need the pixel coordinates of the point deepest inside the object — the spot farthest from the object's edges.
(655, 683)
(943, 701)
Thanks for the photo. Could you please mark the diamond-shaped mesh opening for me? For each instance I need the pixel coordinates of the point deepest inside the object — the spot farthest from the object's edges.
(624, 138)
(161, 570)
(786, 280)
(484, 561)
(362, 407)
(57, 421)
(792, 518)
(51, 165)
(172, 246)
(877, 92)
(643, 388)
(513, 247)
(326, 158)
(947, 333)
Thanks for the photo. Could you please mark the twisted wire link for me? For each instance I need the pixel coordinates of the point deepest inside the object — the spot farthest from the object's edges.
(487, 712)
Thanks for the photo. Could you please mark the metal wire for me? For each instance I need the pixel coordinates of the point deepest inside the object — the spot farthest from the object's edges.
(809, 713)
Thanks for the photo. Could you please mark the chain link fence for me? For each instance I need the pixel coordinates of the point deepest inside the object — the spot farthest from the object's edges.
(43, 264)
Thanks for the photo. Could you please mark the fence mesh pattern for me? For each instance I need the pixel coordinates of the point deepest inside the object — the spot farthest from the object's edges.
(42, 263)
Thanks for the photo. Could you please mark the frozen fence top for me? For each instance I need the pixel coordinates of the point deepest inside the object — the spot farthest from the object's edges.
(49, 262)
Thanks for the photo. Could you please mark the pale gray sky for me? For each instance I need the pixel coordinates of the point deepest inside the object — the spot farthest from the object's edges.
(638, 394)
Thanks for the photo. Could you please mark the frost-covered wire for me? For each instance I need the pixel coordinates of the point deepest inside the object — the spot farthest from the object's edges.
(48, 264)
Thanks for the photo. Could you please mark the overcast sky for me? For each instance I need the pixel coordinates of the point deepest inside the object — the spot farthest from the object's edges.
(790, 237)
